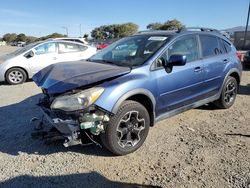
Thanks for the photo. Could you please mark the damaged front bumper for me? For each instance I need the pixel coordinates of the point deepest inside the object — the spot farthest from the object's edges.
(74, 131)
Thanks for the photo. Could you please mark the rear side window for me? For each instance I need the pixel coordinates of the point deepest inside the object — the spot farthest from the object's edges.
(210, 46)
(68, 47)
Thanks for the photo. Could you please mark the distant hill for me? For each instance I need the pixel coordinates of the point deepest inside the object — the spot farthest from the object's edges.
(238, 28)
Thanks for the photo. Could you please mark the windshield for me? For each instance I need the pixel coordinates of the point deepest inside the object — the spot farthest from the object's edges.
(24, 49)
(130, 51)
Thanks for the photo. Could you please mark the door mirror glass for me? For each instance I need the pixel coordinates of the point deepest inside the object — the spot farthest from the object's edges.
(174, 60)
(177, 60)
(29, 54)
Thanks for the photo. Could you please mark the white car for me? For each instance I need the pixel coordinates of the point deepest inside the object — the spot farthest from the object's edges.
(17, 67)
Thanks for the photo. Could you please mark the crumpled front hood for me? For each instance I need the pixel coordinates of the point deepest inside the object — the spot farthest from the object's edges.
(61, 77)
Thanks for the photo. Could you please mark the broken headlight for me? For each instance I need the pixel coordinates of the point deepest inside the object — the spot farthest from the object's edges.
(78, 101)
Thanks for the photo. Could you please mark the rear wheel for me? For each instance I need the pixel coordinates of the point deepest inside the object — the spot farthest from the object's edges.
(228, 94)
(16, 76)
(127, 129)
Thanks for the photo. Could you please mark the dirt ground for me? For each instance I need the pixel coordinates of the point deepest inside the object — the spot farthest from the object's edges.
(203, 147)
(7, 49)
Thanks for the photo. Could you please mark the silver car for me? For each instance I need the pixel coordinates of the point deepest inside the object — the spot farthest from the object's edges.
(17, 67)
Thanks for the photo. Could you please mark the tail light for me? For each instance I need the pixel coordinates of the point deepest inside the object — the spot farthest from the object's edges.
(239, 55)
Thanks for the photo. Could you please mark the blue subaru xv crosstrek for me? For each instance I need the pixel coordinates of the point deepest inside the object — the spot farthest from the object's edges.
(116, 95)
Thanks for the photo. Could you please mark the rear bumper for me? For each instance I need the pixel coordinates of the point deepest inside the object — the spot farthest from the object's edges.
(2, 74)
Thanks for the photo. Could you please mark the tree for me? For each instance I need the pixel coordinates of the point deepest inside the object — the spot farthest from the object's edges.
(154, 26)
(10, 37)
(172, 25)
(127, 29)
(21, 37)
(114, 31)
(56, 35)
(168, 25)
(30, 39)
(53, 35)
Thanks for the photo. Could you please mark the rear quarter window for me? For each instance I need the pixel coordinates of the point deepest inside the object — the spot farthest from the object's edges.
(83, 48)
(228, 46)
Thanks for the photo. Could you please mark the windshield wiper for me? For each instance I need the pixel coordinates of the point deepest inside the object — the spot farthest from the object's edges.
(102, 61)
(109, 62)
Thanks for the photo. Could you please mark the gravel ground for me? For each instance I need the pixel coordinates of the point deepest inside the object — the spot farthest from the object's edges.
(204, 147)
(7, 49)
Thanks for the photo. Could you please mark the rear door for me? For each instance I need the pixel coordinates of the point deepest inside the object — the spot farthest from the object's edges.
(71, 52)
(184, 85)
(215, 60)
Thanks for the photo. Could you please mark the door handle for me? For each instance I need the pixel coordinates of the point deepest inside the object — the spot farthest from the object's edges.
(197, 69)
(54, 58)
(225, 61)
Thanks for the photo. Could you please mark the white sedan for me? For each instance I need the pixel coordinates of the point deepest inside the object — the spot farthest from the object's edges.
(17, 67)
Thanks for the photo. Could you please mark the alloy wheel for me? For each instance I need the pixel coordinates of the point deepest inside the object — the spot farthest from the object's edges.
(130, 129)
(16, 76)
(230, 92)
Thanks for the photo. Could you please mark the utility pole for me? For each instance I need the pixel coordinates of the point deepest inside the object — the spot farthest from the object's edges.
(245, 37)
(66, 29)
(80, 30)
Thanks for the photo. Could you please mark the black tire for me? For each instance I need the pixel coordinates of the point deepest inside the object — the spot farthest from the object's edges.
(228, 94)
(16, 76)
(133, 120)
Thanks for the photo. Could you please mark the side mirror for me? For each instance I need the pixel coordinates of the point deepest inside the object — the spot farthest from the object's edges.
(177, 60)
(174, 60)
(29, 54)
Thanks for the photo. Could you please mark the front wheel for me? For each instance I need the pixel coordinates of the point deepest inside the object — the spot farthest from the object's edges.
(228, 94)
(127, 129)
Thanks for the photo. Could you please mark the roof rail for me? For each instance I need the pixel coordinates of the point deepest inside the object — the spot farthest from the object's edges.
(198, 29)
(153, 30)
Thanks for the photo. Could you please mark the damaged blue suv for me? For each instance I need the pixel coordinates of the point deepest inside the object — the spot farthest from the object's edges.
(116, 95)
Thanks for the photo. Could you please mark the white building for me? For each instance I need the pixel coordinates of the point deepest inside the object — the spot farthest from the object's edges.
(2, 43)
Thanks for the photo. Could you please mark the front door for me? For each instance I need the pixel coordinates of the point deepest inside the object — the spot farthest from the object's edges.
(44, 55)
(184, 85)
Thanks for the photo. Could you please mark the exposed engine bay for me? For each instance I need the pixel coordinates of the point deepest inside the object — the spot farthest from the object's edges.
(74, 127)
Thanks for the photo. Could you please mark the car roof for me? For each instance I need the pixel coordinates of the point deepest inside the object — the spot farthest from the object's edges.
(70, 39)
(64, 41)
(184, 31)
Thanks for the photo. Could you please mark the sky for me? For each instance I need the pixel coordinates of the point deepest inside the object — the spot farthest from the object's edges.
(43, 17)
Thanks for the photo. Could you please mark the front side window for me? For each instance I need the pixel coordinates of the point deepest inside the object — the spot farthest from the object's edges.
(186, 46)
(45, 48)
(130, 51)
(68, 47)
(210, 46)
